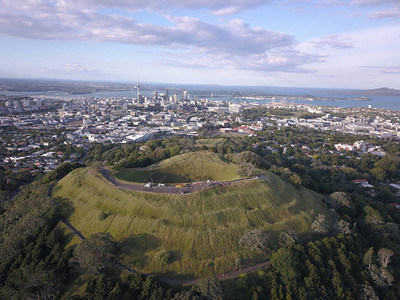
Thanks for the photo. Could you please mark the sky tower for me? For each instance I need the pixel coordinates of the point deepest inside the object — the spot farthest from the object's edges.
(137, 91)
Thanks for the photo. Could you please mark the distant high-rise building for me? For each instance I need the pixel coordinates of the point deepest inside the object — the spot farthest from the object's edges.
(185, 95)
(139, 96)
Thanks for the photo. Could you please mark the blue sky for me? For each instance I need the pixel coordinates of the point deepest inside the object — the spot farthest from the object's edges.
(307, 43)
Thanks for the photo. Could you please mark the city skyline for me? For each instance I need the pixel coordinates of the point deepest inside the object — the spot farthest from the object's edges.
(324, 44)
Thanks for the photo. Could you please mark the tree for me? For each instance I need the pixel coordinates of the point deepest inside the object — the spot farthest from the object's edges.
(246, 169)
(42, 284)
(385, 195)
(286, 262)
(381, 276)
(288, 239)
(319, 225)
(238, 263)
(384, 256)
(367, 293)
(372, 216)
(116, 293)
(150, 285)
(255, 240)
(174, 150)
(60, 171)
(368, 256)
(211, 288)
(163, 257)
(340, 199)
(344, 227)
(295, 180)
(386, 276)
(393, 229)
(379, 173)
(95, 254)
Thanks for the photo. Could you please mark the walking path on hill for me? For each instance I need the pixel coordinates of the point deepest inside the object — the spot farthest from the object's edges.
(73, 229)
(177, 281)
(167, 189)
(170, 280)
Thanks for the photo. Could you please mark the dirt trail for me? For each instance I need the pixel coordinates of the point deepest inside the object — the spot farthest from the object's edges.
(177, 281)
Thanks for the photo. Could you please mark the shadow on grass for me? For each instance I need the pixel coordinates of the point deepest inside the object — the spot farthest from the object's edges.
(66, 205)
(154, 176)
(176, 255)
(134, 249)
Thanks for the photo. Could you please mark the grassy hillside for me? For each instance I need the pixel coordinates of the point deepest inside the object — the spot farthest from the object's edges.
(193, 166)
(202, 229)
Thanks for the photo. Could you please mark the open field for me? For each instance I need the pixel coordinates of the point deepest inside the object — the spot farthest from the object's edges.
(189, 167)
(201, 229)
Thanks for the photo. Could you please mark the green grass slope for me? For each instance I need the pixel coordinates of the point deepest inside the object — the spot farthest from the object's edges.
(202, 229)
(188, 167)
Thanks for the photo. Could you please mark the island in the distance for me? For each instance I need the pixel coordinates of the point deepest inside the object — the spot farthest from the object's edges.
(383, 91)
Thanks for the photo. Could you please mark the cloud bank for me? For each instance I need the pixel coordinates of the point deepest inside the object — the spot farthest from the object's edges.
(233, 42)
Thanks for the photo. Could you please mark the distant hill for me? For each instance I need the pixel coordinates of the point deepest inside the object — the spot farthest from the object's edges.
(384, 91)
(201, 229)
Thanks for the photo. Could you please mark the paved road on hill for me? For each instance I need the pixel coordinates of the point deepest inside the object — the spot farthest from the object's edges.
(167, 189)
(170, 280)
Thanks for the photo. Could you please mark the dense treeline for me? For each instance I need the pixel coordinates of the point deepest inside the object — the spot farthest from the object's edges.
(332, 268)
(10, 181)
(60, 171)
(33, 258)
(138, 155)
(361, 262)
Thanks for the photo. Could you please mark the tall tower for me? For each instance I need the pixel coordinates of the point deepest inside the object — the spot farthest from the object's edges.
(138, 91)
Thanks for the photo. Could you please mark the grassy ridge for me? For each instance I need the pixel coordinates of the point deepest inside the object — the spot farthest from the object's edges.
(193, 166)
(201, 229)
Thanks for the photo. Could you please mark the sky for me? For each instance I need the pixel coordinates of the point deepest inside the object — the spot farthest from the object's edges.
(304, 43)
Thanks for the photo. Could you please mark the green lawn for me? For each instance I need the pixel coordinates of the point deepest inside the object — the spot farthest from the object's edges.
(201, 229)
(189, 167)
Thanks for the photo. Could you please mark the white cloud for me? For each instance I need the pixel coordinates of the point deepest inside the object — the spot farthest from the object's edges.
(219, 7)
(385, 14)
(233, 43)
(374, 2)
(333, 41)
(395, 70)
(347, 67)
(286, 59)
(69, 67)
(57, 20)
(225, 11)
(391, 8)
